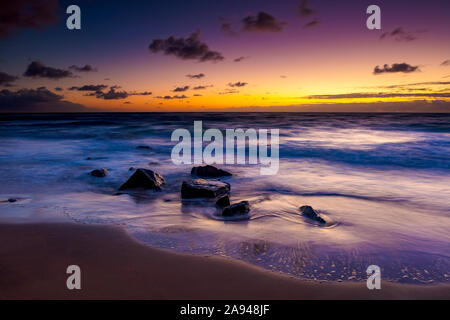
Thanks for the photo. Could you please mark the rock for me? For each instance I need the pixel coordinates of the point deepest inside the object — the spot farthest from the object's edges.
(237, 209)
(131, 169)
(11, 200)
(144, 179)
(209, 172)
(310, 213)
(143, 147)
(200, 188)
(223, 202)
(99, 173)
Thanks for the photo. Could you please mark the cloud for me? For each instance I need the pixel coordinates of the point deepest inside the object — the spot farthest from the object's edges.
(399, 35)
(145, 93)
(36, 100)
(396, 67)
(181, 89)
(311, 24)
(86, 68)
(58, 89)
(229, 91)
(446, 63)
(112, 94)
(428, 83)
(238, 84)
(90, 87)
(197, 95)
(263, 22)
(37, 69)
(304, 10)
(6, 79)
(363, 95)
(240, 59)
(190, 48)
(227, 28)
(195, 76)
(201, 87)
(26, 14)
(172, 97)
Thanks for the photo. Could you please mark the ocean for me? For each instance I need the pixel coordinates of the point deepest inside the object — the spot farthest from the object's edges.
(383, 180)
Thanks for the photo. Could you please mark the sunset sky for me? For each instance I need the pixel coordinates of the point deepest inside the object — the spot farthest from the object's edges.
(234, 55)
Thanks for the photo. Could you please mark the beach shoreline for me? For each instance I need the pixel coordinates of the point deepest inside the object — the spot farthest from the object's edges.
(34, 259)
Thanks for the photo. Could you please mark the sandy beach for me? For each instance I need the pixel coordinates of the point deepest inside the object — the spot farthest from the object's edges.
(34, 258)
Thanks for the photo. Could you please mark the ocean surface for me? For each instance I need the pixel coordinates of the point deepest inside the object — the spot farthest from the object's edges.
(383, 180)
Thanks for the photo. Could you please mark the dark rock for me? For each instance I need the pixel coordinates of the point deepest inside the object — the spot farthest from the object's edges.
(144, 179)
(310, 213)
(237, 209)
(99, 173)
(209, 172)
(223, 202)
(200, 188)
(11, 200)
(131, 169)
(143, 147)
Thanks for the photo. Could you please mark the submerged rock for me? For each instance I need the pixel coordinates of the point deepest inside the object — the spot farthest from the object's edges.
(200, 188)
(144, 179)
(310, 213)
(209, 172)
(223, 202)
(237, 209)
(11, 200)
(99, 173)
(143, 147)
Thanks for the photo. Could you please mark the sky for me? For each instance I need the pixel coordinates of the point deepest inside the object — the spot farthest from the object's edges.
(234, 55)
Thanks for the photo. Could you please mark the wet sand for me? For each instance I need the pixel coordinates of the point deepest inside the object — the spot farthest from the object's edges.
(34, 258)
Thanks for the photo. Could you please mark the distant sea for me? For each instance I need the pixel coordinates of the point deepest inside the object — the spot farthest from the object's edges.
(382, 179)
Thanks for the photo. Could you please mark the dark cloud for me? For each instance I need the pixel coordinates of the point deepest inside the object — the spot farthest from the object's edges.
(112, 94)
(6, 79)
(227, 28)
(195, 76)
(197, 95)
(396, 67)
(201, 87)
(145, 93)
(428, 83)
(58, 89)
(240, 59)
(38, 69)
(238, 84)
(263, 22)
(311, 24)
(90, 87)
(304, 9)
(190, 48)
(363, 95)
(36, 100)
(446, 63)
(181, 89)
(172, 97)
(26, 14)
(399, 34)
(86, 68)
